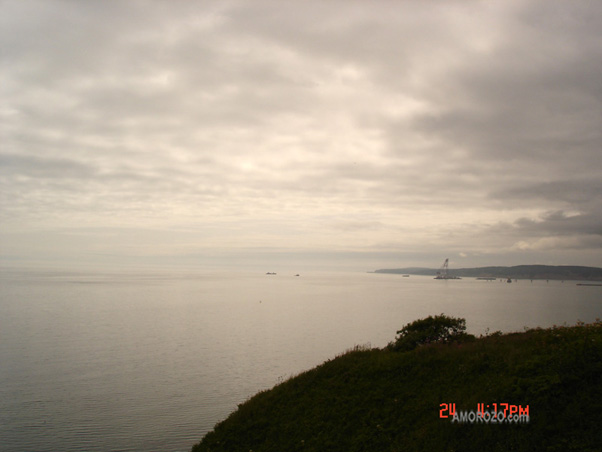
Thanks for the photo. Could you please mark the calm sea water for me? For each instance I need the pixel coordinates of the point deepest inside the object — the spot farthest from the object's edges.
(152, 361)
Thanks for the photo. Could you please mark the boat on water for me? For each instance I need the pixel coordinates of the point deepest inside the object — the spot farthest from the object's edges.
(443, 272)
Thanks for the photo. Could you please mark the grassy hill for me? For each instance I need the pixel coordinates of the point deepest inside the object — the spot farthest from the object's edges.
(562, 272)
(386, 400)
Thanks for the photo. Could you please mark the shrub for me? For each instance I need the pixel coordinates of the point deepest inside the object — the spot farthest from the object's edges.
(437, 329)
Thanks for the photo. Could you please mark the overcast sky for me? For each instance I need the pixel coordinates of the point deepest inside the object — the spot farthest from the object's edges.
(301, 134)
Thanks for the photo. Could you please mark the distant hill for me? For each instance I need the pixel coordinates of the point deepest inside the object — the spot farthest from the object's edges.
(562, 272)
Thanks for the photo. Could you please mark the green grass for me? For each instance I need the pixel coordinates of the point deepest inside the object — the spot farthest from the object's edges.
(384, 400)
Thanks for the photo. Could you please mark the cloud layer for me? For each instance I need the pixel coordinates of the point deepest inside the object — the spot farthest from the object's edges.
(322, 132)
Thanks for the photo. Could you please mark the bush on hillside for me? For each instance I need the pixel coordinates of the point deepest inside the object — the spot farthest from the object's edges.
(437, 329)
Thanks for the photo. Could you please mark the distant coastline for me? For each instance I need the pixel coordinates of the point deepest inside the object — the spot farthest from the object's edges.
(556, 272)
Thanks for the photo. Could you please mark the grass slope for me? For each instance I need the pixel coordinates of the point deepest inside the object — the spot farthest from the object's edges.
(381, 400)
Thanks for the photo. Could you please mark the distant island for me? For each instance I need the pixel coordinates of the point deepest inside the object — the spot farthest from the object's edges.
(560, 272)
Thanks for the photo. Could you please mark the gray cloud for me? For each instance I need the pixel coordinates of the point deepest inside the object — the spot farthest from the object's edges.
(305, 125)
(559, 223)
(578, 192)
(30, 166)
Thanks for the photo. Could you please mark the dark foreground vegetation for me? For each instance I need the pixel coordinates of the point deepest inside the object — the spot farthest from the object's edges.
(390, 399)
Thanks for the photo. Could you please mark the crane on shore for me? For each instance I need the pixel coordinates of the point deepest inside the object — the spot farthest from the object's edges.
(443, 272)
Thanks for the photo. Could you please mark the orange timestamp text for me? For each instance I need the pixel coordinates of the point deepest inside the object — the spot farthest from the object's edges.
(494, 413)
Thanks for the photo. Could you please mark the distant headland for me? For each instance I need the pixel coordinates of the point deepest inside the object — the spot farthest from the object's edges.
(561, 272)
